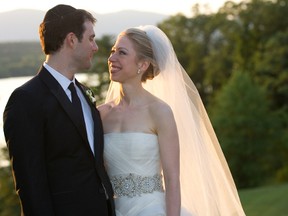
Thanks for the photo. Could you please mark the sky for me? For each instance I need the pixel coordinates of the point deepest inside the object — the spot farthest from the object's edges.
(168, 7)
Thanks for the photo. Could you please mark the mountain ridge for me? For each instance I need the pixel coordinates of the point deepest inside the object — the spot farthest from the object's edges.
(22, 25)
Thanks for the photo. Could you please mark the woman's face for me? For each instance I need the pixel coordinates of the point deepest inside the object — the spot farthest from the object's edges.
(122, 62)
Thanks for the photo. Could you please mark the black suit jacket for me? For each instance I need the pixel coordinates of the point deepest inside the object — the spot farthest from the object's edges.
(54, 168)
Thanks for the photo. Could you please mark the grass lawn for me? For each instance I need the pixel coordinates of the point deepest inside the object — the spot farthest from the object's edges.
(265, 201)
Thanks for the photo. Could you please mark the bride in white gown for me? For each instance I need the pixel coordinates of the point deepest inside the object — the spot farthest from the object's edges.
(159, 142)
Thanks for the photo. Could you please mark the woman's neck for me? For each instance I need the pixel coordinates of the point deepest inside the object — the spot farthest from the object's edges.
(131, 94)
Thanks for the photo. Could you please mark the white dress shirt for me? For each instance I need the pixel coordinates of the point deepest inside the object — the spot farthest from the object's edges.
(65, 82)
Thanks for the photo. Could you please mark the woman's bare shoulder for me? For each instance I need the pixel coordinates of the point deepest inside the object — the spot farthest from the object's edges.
(163, 117)
(160, 108)
(106, 107)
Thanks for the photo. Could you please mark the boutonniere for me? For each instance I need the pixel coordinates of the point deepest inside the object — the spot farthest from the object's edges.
(91, 96)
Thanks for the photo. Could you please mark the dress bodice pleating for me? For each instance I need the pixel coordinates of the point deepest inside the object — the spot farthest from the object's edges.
(136, 153)
(133, 165)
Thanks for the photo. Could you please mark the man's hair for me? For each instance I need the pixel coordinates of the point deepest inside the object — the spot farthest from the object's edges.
(58, 22)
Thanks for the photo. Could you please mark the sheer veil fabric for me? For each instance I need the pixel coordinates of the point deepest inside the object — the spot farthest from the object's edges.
(207, 186)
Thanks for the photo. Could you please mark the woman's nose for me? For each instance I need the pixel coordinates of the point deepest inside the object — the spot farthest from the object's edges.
(111, 57)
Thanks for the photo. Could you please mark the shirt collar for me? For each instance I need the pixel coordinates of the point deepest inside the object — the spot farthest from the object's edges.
(62, 80)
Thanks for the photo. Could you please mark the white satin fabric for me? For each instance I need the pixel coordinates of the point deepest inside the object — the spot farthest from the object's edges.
(135, 153)
(207, 186)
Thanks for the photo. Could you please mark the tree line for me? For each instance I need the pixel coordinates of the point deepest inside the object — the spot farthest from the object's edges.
(237, 58)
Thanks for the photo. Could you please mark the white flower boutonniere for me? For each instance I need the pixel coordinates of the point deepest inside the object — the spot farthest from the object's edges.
(90, 95)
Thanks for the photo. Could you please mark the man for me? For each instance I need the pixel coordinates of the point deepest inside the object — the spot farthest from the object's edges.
(56, 151)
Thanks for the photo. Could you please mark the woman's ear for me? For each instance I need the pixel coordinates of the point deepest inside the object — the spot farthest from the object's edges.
(143, 65)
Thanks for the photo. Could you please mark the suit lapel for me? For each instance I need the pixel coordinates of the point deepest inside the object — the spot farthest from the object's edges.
(63, 100)
(98, 129)
(98, 133)
(83, 90)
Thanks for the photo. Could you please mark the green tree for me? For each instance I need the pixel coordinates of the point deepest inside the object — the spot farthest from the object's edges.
(260, 40)
(282, 151)
(9, 203)
(271, 67)
(246, 130)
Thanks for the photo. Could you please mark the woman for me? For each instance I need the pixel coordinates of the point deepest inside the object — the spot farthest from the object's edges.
(155, 123)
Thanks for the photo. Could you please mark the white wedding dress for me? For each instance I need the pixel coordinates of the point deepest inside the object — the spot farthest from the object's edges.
(133, 165)
(207, 186)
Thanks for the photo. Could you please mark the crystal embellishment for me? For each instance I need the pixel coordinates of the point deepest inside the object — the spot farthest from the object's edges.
(132, 185)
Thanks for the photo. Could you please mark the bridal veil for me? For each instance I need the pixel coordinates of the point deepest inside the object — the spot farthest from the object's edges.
(207, 186)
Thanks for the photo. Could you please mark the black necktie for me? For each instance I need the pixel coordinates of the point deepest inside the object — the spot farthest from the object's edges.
(76, 102)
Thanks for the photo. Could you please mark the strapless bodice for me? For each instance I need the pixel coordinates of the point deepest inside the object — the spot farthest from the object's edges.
(133, 165)
(132, 152)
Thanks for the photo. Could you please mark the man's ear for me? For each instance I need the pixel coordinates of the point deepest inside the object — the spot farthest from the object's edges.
(71, 39)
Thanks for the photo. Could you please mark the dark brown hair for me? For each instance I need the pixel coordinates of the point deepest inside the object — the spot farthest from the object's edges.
(58, 22)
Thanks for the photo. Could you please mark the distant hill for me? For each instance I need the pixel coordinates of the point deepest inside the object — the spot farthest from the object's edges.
(22, 25)
(20, 58)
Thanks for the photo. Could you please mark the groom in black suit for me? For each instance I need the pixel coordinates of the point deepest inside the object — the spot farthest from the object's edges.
(56, 150)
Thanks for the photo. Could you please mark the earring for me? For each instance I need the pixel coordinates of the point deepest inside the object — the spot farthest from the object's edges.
(139, 71)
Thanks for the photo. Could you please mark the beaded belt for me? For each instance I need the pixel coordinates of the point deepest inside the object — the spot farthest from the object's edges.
(131, 185)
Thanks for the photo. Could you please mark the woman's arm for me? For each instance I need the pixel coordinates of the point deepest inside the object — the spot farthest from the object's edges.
(169, 153)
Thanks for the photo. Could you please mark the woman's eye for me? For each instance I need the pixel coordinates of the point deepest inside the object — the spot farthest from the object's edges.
(122, 52)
